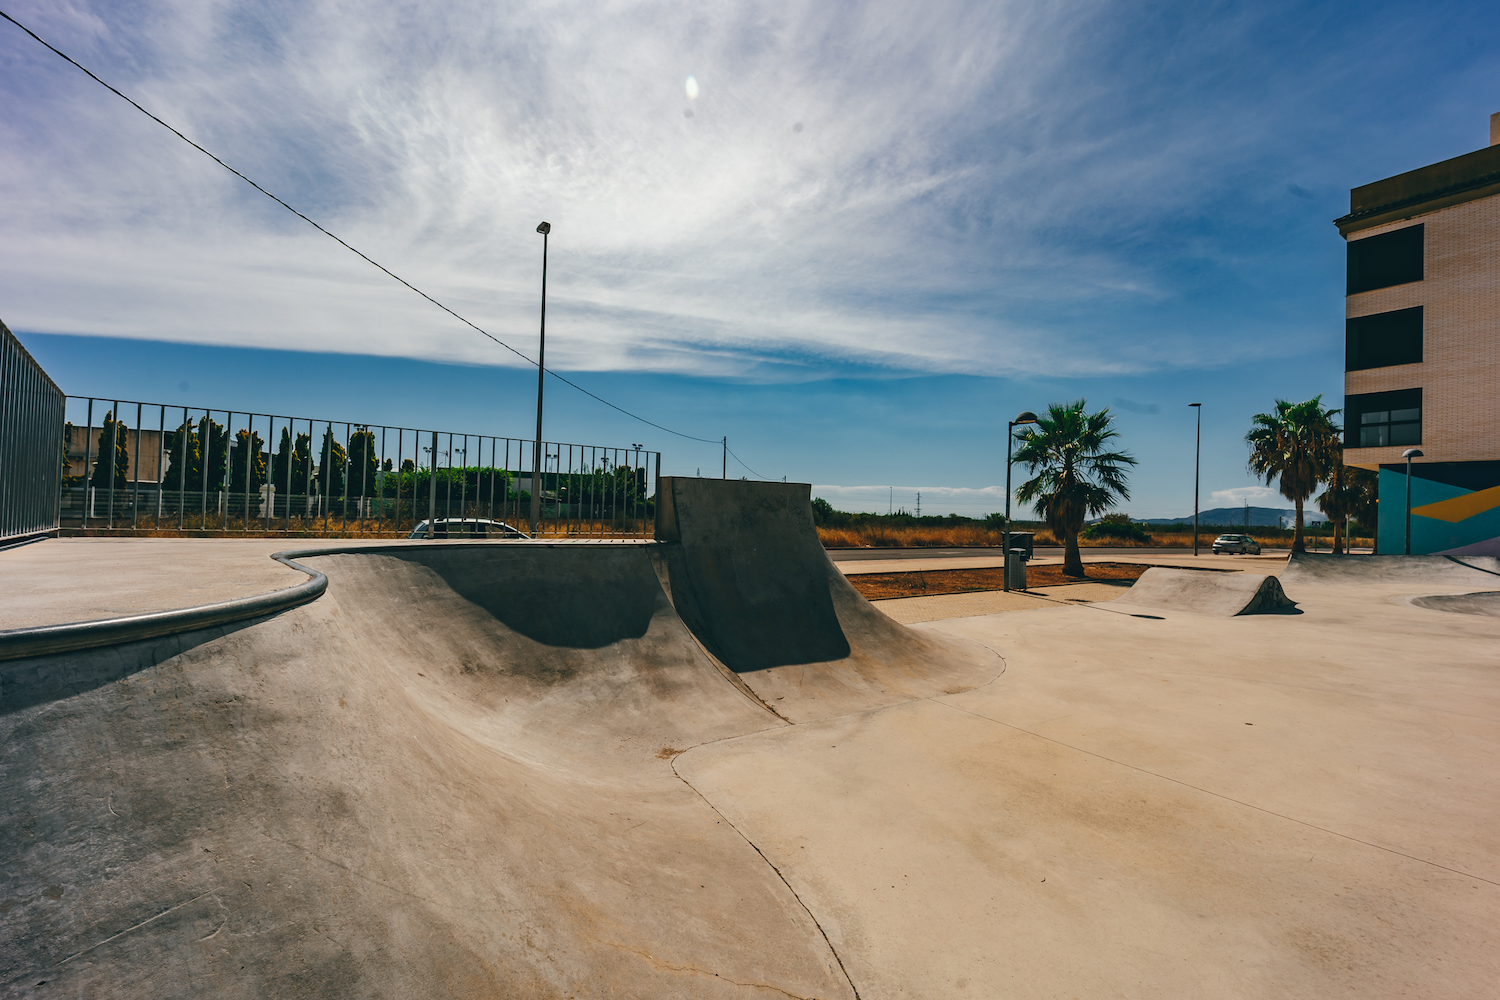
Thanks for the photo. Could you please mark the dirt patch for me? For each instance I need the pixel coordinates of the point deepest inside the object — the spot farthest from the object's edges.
(925, 583)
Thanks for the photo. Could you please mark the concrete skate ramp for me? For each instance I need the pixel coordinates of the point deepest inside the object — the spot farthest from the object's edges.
(1456, 571)
(1200, 592)
(750, 578)
(1486, 604)
(448, 777)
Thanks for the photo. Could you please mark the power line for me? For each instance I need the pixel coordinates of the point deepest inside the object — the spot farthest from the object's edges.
(376, 264)
(737, 458)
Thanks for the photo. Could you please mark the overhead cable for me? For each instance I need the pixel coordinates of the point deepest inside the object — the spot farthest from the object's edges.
(363, 256)
(737, 458)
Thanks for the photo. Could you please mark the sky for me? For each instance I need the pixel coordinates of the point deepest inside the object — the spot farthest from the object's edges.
(852, 238)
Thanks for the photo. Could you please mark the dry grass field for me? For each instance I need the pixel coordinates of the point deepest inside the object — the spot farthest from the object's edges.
(976, 536)
(884, 586)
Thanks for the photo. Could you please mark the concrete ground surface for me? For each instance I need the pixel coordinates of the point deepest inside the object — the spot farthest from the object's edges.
(1262, 806)
(707, 768)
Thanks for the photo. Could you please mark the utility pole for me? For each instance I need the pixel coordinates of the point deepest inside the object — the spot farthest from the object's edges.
(919, 503)
(1197, 456)
(725, 473)
(541, 371)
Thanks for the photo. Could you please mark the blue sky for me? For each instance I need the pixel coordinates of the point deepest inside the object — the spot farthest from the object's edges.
(877, 230)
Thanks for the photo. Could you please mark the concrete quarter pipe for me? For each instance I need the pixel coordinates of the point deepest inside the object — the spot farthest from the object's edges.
(451, 775)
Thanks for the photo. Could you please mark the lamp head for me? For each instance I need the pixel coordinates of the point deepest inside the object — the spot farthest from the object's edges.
(544, 228)
(1411, 453)
(1195, 404)
(1025, 417)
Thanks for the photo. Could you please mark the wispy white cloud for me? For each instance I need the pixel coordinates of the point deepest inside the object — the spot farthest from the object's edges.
(923, 187)
(1255, 496)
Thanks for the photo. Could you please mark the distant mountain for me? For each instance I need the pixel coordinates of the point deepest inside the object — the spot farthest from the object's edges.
(1234, 517)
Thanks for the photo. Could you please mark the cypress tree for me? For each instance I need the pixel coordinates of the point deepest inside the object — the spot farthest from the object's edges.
(112, 437)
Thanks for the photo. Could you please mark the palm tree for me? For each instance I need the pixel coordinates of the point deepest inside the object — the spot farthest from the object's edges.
(1075, 476)
(1349, 494)
(1299, 444)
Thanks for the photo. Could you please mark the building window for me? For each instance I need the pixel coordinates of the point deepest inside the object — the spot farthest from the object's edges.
(1383, 419)
(1392, 258)
(1389, 338)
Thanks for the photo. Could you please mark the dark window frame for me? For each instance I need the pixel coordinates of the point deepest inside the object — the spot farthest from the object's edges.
(1398, 257)
(1383, 419)
(1384, 340)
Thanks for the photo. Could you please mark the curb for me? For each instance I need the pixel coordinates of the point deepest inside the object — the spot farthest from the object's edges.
(44, 640)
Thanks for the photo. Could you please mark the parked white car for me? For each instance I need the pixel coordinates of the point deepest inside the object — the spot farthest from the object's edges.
(1236, 545)
(467, 527)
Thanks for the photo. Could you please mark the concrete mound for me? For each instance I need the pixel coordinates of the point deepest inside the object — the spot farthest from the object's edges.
(750, 578)
(1458, 571)
(1199, 592)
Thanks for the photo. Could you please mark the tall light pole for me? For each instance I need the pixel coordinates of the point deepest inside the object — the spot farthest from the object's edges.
(1024, 417)
(1197, 456)
(1409, 454)
(541, 371)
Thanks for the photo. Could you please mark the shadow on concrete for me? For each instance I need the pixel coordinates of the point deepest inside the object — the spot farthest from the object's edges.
(571, 599)
(1486, 604)
(41, 679)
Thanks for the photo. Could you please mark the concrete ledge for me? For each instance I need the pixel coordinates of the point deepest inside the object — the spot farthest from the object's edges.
(44, 640)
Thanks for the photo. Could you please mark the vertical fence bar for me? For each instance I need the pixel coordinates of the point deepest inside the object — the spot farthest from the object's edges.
(114, 444)
(88, 451)
(432, 490)
(135, 492)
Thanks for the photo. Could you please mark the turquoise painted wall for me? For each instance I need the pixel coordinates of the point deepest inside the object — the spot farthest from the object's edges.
(1427, 534)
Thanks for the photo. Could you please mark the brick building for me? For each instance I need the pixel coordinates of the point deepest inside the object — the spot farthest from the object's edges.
(1422, 349)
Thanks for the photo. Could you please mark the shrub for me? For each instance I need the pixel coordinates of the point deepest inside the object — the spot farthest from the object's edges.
(1112, 527)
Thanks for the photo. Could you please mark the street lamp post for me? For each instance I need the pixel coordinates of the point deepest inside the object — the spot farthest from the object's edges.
(1197, 458)
(1024, 417)
(1409, 454)
(541, 370)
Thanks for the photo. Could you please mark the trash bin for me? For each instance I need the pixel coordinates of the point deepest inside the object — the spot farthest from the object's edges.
(1015, 569)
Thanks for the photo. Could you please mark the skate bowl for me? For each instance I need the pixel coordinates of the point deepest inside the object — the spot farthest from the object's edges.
(1486, 603)
(449, 775)
(1222, 595)
(1445, 571)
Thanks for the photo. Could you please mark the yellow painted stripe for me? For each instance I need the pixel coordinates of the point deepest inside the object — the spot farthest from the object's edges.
(1461, 508)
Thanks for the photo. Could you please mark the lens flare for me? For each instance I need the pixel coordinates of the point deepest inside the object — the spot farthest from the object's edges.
(692, 88)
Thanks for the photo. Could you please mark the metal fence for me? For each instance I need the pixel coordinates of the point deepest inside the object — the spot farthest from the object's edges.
(154, 468)
(31, 414)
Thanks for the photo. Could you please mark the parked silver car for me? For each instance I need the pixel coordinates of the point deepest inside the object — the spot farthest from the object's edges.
(466, 527)
(1236, 545)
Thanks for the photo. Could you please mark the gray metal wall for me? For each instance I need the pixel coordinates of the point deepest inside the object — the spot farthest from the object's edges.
(31, 419)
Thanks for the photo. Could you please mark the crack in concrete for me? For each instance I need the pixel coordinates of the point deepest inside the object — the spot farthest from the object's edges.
(136, 927)
(756, 848)
(674, 967)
